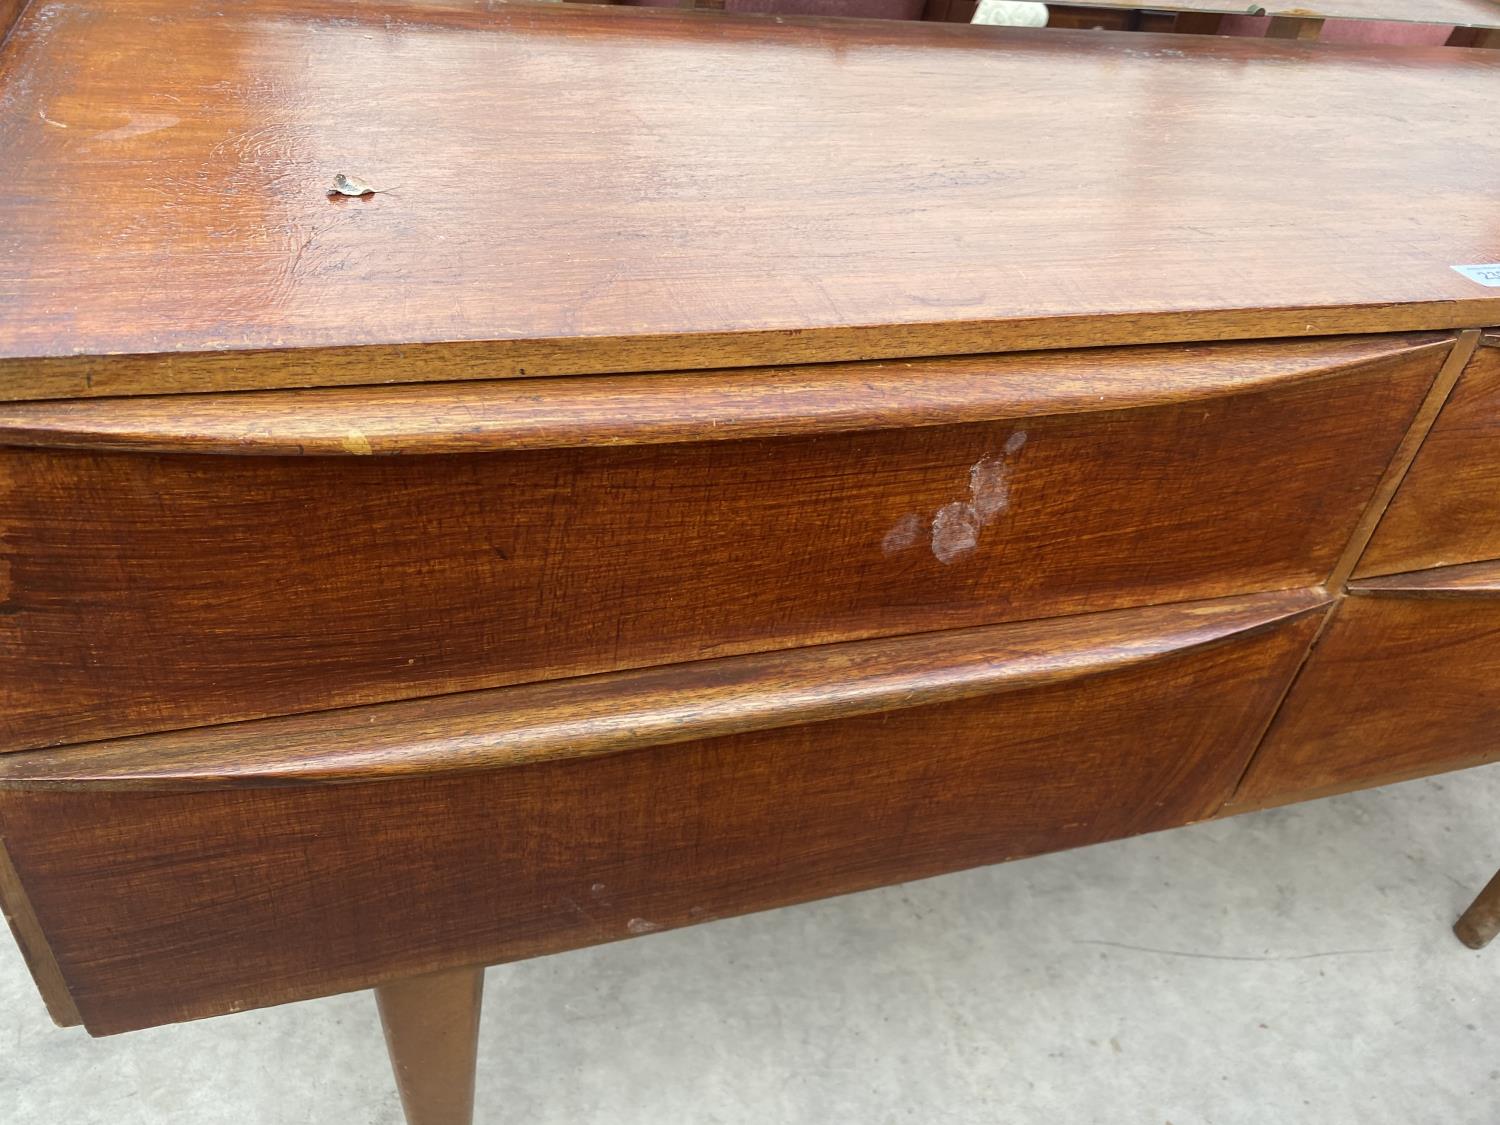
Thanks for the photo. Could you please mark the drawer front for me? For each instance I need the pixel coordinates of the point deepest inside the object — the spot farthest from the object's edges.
(603, 524)
(1405, 682)
(1447, 510)
(187, 874)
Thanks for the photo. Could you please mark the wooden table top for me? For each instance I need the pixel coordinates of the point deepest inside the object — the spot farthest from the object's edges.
(583, 189)
(1463, 13)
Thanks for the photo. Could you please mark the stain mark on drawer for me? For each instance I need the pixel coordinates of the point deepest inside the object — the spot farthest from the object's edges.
(956, 528)
(907, 531)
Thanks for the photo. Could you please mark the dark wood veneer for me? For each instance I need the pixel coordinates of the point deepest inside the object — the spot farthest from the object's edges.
(843, 543)
(1404, 682)
(202, 901)
(1448, 509)
(149, 591)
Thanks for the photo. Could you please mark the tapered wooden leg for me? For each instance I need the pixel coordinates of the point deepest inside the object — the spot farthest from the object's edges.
(1481, 922)
(432, 1032)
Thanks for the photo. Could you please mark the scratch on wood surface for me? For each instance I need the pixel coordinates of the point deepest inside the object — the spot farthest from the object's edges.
(138, 126)
(356, 442)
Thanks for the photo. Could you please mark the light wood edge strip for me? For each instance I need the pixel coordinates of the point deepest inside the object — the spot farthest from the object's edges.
(721, 405)
(16, 906)
(1462, 580)
(1406, 453)
(29, 378)
(596, 715)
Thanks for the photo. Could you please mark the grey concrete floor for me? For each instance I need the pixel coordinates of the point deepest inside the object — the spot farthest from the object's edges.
(1285, 967)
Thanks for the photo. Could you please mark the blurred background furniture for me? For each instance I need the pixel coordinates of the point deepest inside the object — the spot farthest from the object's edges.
(1457, 23)
(1465, 23)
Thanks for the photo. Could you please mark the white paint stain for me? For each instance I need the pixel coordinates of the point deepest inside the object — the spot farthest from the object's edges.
(989, 487)
(641, 926)
(904, 534)
(955, 531)
(955, 528)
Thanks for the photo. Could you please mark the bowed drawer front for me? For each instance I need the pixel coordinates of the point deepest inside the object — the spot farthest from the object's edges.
(202, 559)
(1404, 682)
(285, 858)
(1447, 510)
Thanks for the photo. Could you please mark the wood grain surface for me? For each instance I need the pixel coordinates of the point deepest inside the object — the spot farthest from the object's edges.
(153, 591)
(1401, 461)
(647, 200)
(163, 906)
(1447, 510)
(1471, 580)
(32, 942)
(595, 715)
(10, 12)
(1463, 13)
(691, 406)
(1400, 685)
(431, 1027)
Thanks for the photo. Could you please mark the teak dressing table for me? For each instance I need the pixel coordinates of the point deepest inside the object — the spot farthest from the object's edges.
(727, 462)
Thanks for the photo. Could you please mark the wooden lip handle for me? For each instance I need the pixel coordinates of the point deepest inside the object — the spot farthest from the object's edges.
(595, 715)
(695, 406)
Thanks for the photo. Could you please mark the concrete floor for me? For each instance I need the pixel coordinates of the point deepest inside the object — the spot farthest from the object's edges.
(1293, 966)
